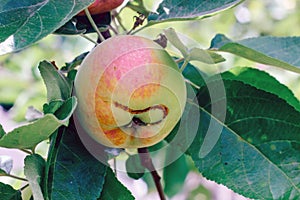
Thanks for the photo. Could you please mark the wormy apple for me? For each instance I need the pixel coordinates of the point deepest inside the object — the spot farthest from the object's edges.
(130, 92)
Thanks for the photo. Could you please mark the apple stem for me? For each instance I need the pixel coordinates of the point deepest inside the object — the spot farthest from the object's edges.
(146, 161)
(87, 13)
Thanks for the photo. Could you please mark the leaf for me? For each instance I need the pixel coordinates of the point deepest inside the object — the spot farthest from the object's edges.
(174, 175)
(113, 189)
(81, 24)
(74, 63)
(52, 106)
(257, 153)
(58, 87)
(65, 111)
(2, 172)
(34, 171)
(170, 10)
(6, 165)
(28, 136)
(9, 193)
(138, 6)
(205, 56)
(70, 28)
(280, 52)
(25, 22)
(72, 172)
(2, 132)
(134, 168)
(172, 37)
(262, 80)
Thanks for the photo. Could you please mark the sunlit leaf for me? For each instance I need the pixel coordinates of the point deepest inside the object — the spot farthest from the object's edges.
(192, 54)
(170, 10)
(28, 136)
(34, 172)
(281, 52)
(58, 87)
(24, 22)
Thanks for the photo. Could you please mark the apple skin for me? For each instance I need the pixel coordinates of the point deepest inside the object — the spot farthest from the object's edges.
(130, 93)
(102, 6)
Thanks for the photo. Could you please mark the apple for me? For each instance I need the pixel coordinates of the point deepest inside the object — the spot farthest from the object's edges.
(130, 92)
(102, 6)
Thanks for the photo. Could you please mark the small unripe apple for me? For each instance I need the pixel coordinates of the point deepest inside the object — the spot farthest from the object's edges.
(102, 6)
(130, 92)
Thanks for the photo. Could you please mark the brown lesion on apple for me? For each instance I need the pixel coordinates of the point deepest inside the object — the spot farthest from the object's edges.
(137, 121)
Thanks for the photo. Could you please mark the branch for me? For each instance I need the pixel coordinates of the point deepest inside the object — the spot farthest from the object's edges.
(146, 161)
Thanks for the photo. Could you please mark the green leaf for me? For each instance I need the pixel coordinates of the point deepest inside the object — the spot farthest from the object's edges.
(70, 28)
(2, 172)
(34, 171)
(281, 52)
(81, 24)
(65, 111)
(9, 193)
(72, 172)
(2, 132)
(28, 136)
(134, 168)
(257, 153)
(138, 6)
(74, 63)
(58, 87)
(113, 189)
(172, 37)
(205, 56)
(174, 174)
(170, 10)
(52, 106)
(262, 80)
(25, 22)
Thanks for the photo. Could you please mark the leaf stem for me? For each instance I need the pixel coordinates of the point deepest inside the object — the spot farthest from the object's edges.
(117, 18)
(192, 84)
(146, 161)
(113, 29)
(24, 187)
(179, 60)
(87, 13)
(89, 39)
(16, 177)
(183, 66)
(26, 151)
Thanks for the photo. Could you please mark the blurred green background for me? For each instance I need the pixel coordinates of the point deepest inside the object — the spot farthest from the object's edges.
(21, 85)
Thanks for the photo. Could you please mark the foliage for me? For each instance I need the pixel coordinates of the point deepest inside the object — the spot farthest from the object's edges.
(240, 128)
